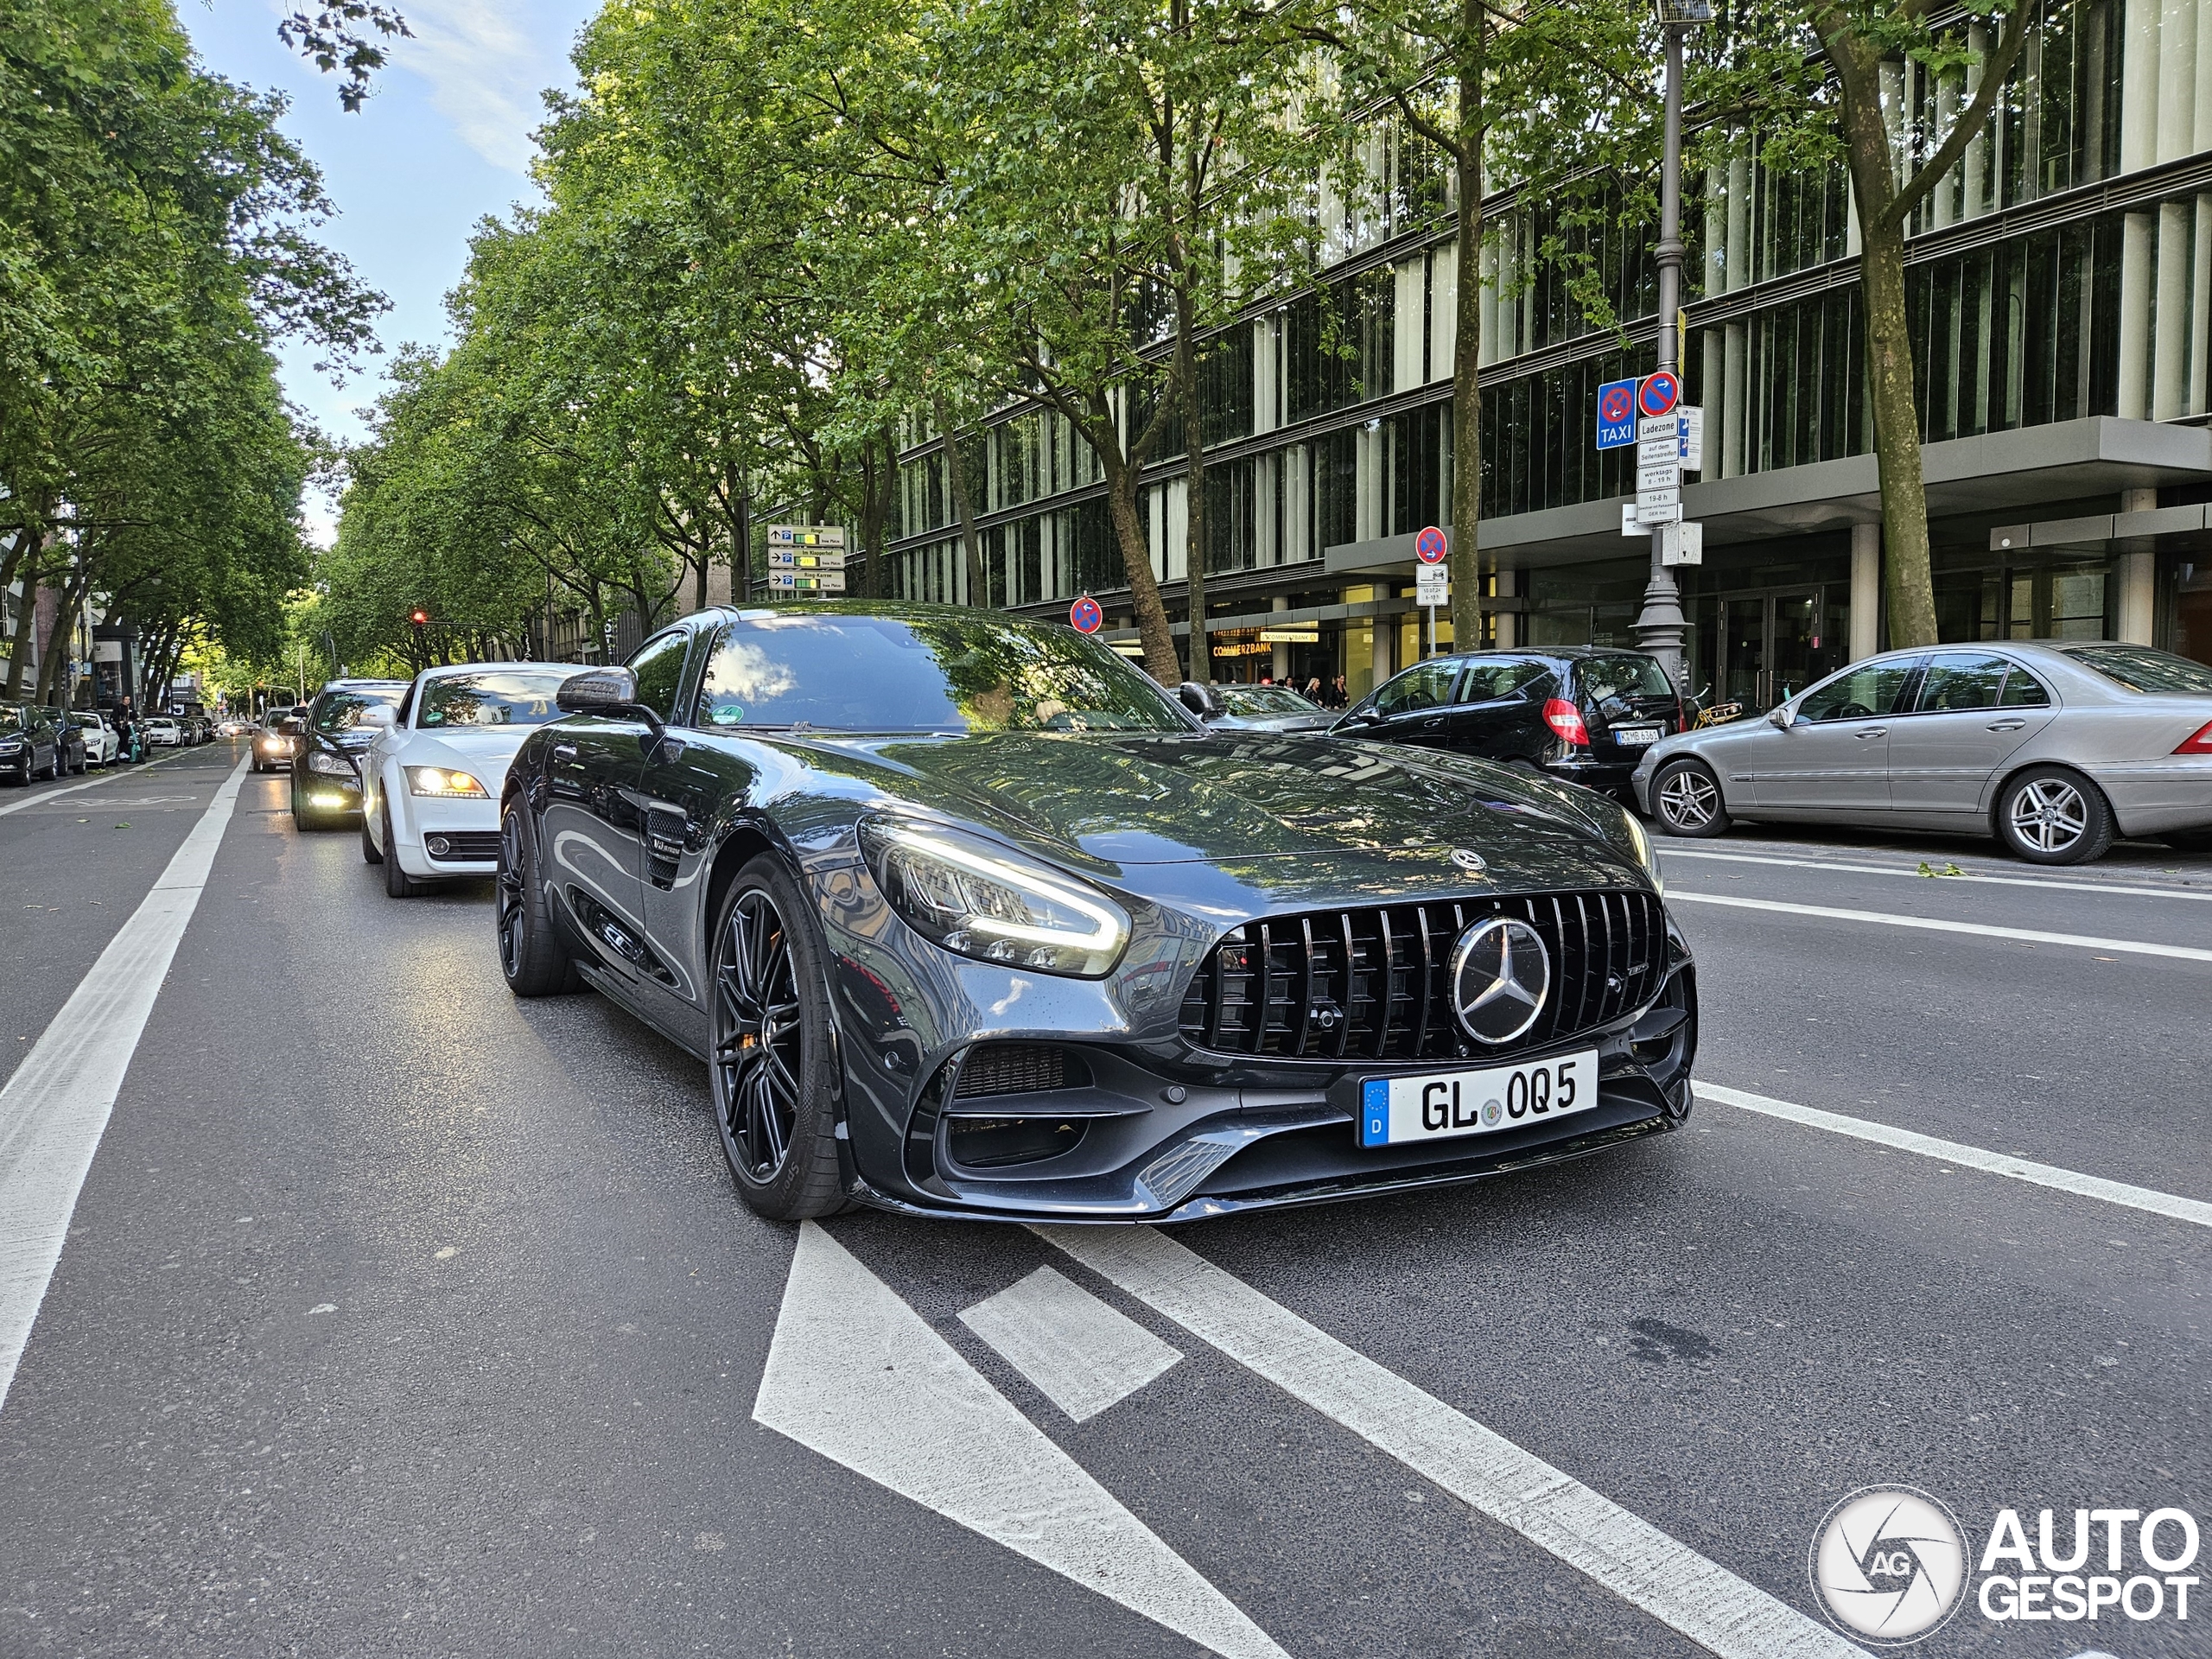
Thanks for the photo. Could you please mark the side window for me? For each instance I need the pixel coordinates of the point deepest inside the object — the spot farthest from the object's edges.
(1428, 686)
(1961, 679)
(1858, 692)
(2023, 689)
(658, 664)
(406, 705)
(1488, 681)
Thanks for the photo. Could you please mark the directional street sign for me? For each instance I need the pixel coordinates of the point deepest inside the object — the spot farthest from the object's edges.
(1658, 394)
(1617, 413)
(791, 558)
(1431, 545)
(797, 581)
(1084, 616)
(806, 536)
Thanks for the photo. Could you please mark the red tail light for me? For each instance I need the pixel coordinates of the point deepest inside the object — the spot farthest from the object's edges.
(2201, 744)
(1564, 718)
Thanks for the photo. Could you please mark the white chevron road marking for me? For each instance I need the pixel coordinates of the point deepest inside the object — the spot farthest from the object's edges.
(859, 1377)
(1080, 1354)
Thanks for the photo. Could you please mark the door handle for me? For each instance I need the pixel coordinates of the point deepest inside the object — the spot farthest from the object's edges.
(565, 751)
(1871, 731)
(2006, 725)
(1432, 723)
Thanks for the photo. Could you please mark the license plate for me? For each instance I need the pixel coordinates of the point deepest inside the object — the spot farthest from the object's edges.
(1439, 1105)
(1635, 737)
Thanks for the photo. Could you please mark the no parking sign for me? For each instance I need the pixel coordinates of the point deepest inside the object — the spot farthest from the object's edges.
(1084, 616)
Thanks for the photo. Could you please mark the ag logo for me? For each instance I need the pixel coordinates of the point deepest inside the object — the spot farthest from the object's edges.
(1500, 973)
(1889, 1565)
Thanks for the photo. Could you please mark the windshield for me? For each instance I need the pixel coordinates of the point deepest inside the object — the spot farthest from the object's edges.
(1607, 677)
(510, 696)
(831, 671)
(341, 711)
(1264, 700)
(2140, 669)
(11, 719)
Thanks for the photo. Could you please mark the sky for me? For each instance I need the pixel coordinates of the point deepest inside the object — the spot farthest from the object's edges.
(443, 140)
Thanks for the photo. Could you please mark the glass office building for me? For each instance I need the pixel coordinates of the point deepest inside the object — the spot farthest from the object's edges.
(2061, 284)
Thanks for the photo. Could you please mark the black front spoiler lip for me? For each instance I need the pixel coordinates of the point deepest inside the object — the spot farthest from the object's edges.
(1335, 1191)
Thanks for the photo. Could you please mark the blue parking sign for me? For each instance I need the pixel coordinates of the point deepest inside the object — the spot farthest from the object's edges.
(1616, 414)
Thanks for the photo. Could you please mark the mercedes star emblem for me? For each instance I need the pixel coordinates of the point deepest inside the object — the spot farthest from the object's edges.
(1501, 974)
(1462, 858)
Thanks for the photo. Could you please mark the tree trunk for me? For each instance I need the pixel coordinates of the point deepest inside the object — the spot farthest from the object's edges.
(1153, 630)
(878, 500)
(1907, 577)
(1194, 487)
(26, 626)
(955, 475)
(1464, 565)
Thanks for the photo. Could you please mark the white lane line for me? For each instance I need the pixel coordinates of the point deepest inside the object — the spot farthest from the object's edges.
(54, 1108)
(1975, 877)
(1956, 1152)
(1932, 924)
(71, 789)
(1080, 1353)
(859, 1377)
(1629, 1556)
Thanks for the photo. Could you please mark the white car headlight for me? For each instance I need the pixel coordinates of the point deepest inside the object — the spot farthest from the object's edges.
(437, 780)
(323, 760)
(985, 902)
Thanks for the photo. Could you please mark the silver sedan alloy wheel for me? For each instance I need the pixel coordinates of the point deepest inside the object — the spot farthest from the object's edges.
(1688, 798)
(2048, 813)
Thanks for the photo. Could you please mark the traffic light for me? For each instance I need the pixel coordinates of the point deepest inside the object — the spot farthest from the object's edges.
(419, 617)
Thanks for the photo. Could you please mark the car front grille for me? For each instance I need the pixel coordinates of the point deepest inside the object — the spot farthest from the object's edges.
(468, 844)
(1373, 983)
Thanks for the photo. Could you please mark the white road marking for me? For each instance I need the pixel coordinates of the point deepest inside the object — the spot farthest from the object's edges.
(1970, 877)
(859, 1377)
(1932, 924)
(1955, 1152)
(1712, 1606)
(55, 1107)
(1080, 1354)
(71, 789)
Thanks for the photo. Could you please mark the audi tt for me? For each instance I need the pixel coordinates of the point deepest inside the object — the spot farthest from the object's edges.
(966, 916)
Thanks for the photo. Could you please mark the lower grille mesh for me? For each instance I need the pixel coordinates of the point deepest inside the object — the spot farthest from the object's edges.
(1373, 983)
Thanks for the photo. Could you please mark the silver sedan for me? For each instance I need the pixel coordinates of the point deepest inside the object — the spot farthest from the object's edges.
(2053, 749)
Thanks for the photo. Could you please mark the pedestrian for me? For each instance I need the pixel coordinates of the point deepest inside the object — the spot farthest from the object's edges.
(1338, 696)
(1313, 690)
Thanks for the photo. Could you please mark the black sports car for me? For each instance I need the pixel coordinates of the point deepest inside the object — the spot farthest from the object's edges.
(967, 917)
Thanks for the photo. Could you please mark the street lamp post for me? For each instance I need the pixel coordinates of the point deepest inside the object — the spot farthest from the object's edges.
(1660, 626)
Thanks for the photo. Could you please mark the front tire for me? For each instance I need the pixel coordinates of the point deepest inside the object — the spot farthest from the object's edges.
(771, 1060)
(397, 882)
(532, 957)
(1686, 800)
(2053, 814)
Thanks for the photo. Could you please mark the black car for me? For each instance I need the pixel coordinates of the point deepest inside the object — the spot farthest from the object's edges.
(325, 754)
(1585, 713)
(30, 746)
(69, 736)
(967, 917)
(1254, 707)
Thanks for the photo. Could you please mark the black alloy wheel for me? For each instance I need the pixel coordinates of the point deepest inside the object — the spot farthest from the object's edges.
(1686, 798)
(2053, 814)
(771, 1055)
(531, 957)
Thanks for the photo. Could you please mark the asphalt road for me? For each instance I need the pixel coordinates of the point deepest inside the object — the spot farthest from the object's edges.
(395, 1317)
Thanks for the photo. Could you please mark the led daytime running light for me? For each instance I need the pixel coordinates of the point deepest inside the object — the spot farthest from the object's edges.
(987, 915)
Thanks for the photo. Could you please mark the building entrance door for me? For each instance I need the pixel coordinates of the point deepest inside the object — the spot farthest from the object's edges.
(1769, 646)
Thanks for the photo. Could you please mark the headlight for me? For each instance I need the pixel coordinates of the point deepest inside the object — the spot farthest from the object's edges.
(272, 742)
(323, 760)
(437, 780)
(1640, 839)
(984, 902)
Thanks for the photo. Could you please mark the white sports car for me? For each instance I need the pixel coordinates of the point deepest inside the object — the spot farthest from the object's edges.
(430, 780)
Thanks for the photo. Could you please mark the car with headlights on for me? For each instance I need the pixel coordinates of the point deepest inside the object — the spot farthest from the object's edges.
(966, 916)
(334, 736)
(281, 737)
(432, 774)
(2053, 749)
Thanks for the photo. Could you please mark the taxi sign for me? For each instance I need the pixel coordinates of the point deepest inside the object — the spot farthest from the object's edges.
(1617, 413)
(1084, 616)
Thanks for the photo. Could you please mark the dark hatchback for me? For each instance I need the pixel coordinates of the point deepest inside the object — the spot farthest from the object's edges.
(964, 915)
(1583, 713)
(327, 753)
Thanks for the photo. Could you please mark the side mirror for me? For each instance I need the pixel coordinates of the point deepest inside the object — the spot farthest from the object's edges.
(597, 691)
(378, 716)
(1780, 718)
(1368, 717)
(1199, 700)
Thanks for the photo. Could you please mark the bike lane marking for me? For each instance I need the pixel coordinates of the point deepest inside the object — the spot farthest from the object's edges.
(55, 1109)
(71, 789)
(1729, 1616)
(1982, 930)
(2168, 1204)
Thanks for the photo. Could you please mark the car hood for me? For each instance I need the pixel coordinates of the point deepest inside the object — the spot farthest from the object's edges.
(1232, 797)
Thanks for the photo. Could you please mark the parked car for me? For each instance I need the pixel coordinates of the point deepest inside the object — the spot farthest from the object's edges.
(1583, 713)
(970, 917)
(278, 741)
(162, 732)
(2051, 748)
(1236, 708)
(102, 743)
(326, 768)
(430, 804)
(76, 753)
(30, 745)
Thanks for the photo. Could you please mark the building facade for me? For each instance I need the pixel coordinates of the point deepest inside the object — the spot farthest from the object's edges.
(2061, 283)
